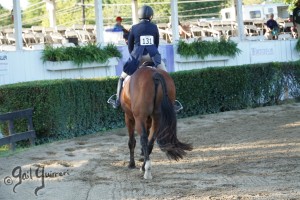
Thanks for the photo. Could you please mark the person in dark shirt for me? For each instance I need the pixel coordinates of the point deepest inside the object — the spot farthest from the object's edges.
(143, 41)
(272, 28)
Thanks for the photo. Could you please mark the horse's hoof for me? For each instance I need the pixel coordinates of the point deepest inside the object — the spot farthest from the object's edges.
(142, 169)
(141, 159)
(148, 176)
(131, 166)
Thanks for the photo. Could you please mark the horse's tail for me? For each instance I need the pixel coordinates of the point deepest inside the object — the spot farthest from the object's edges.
(166, 133)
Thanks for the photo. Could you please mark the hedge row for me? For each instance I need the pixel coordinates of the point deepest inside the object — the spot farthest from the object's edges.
(214, 90)
(64, 108)
(70, 108)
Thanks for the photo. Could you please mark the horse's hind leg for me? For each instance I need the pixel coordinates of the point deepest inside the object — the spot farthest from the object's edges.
(131, 145)
(149, 122)
(152, 136)
(150, 145)
(144, 143)
(147, 162)
(131, 141)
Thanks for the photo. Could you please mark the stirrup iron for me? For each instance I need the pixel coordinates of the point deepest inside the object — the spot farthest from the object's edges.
(112, 100)
(177, 106)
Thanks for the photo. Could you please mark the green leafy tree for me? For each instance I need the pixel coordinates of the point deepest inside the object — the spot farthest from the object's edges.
(248, 2)
(199, 9)
(34, 14)
(70, 11)
(292, 4)
(5, 17)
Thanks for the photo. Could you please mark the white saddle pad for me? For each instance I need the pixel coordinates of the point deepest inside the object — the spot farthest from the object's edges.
(126, 79)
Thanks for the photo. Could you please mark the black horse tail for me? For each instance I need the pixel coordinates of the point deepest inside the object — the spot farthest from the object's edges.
(166, 134)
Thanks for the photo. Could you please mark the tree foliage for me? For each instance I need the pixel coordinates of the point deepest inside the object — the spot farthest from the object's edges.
(292, 4)
(199, 9)
(35, 13)
(249, 2)
(5, 17)
(70, 12)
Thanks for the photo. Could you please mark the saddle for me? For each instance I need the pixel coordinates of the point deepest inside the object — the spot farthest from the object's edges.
(147, 64)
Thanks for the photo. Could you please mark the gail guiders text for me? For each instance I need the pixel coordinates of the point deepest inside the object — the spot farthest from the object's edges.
(39, 173)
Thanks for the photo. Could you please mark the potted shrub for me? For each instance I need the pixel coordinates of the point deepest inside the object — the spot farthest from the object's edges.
(89, 56)
(199, 51)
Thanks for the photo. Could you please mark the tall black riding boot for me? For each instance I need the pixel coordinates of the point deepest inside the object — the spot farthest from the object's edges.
(119, 90)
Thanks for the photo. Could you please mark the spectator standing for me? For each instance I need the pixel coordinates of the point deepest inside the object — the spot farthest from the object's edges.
(272, 28)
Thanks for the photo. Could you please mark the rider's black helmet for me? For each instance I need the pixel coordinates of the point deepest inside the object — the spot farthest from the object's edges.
(145, 12)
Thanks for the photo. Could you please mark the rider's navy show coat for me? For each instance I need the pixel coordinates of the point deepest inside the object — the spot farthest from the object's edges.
(143, 39)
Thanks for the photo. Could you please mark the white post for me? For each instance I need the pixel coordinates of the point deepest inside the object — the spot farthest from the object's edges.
(239, 18)
(18, 25)
(234, 18)
(99, 21)
(174, 21)
(134, 8)
(50, 5)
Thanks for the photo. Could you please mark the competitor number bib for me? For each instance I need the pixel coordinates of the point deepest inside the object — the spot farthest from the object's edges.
(146, 40)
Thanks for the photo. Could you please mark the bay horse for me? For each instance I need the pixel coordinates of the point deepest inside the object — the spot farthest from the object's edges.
(148, 102)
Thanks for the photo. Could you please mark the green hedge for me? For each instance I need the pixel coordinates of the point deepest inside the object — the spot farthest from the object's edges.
(214, 90)
(64, 108)
(70, 108)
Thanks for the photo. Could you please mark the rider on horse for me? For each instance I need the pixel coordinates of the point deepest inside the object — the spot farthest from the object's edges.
(143, 43)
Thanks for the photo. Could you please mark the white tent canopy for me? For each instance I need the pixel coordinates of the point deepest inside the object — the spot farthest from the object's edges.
(99, 19)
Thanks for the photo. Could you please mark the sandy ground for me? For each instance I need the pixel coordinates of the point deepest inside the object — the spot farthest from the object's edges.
(247, 154)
